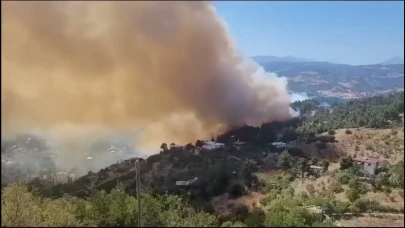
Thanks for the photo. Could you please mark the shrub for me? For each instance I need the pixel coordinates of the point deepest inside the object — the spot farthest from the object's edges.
(241, 212)
(342, 207)
(256, 218)
(335, 187)
(387, 191)
(344, 177)
(346, 163)
(236, 190)
(352, 194)
(353, 209)
(348, 132)
(325, 165)
(297, 152)
(331, 132)
(362, 204)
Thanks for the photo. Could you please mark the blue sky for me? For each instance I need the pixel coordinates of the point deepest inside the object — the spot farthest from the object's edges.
(341, 32)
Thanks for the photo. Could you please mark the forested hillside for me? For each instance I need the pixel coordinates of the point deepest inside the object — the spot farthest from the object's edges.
(234, 172)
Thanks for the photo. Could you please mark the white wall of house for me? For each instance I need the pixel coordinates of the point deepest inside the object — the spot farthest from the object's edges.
(369, 168)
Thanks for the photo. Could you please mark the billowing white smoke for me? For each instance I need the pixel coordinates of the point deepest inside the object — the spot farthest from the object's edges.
(85, 70)
(299, 96)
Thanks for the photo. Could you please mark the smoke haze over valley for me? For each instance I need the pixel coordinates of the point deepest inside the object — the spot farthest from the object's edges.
(144, 72)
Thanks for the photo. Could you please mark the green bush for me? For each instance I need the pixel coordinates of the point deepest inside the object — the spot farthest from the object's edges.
(344, 177)
(256, 218)
(297, 152)
(342, 207)
(346, 163)
(241, 213)
(335, 187)
(331, 132)
(352, 194)
(20, 207)
(365, 205)
(296, 217)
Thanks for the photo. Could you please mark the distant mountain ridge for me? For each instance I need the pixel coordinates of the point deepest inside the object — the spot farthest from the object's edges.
(331, 80)
(392, 61)
(261, 59)
(270, 58)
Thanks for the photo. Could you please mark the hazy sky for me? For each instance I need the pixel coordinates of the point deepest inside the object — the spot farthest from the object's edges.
(342, 32)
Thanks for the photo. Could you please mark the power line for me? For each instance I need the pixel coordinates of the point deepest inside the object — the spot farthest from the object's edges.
(95, 186)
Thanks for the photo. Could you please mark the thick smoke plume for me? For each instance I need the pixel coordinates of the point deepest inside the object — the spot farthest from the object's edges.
(167, 69)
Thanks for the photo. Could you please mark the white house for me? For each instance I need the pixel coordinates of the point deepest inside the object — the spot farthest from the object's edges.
(186, 183)
(209, 145)
(279, 145)
(367, 165)
(317, 169)
(239, 143)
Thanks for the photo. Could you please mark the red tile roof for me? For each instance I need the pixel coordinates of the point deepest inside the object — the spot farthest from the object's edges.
(367, 159)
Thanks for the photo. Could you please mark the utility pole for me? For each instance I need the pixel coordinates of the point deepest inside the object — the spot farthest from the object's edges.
(52, 183)
(138, 188)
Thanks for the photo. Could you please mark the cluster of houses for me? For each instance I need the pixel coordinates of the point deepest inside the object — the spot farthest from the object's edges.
(211, 145)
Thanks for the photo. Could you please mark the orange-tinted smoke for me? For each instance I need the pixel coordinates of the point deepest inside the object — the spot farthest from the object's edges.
(167, 67)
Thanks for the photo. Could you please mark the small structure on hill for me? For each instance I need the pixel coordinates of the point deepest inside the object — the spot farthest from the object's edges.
(316, 169)
(174, 146)
(367, 165)
(209, 145)
(186, 183)
(279, 145)
(238, 144)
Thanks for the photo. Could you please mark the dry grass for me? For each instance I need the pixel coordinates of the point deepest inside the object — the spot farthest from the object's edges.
(302, 185)
(369, 221)
(393, 199)
(384, 143)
